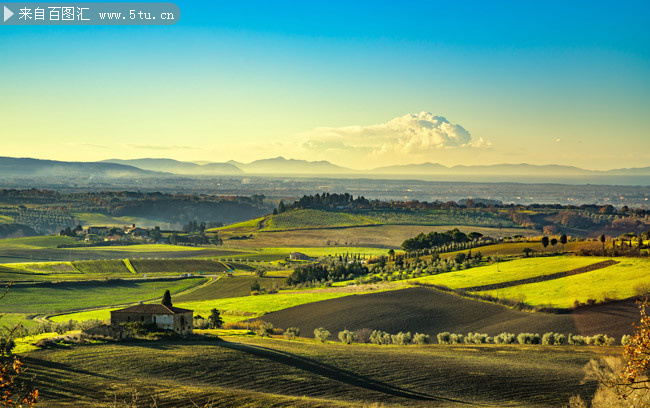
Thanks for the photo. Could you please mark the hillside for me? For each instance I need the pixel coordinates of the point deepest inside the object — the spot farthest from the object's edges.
(179, 167)
(304, 219)
(430, 311)
(27, 167)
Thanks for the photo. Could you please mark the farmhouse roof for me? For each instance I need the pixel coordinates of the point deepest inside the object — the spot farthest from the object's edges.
(152, 309)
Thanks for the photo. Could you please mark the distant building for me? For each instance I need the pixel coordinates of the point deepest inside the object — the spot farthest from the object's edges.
(169, 318)
(98, 230)
(299, 256)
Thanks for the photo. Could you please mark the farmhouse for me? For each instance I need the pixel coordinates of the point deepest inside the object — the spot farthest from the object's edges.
(165, 317)
(299, 256)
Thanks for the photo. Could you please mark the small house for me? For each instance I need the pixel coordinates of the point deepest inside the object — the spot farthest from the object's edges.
(299, 256)
(165, 317)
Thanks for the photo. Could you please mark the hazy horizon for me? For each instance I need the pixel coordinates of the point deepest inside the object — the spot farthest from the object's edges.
(376, 85)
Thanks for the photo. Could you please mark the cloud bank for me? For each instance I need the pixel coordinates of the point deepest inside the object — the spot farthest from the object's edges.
(420, 135)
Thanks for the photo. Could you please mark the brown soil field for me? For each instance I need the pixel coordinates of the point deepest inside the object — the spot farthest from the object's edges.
(378, 236)
(243, 371)
(431, 312)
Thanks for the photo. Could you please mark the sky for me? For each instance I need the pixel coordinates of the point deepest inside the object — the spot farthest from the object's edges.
(362, 84)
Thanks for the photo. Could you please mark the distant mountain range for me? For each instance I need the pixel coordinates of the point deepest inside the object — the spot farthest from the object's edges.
(116, 168)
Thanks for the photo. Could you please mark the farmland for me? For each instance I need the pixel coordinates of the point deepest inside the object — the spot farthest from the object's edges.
(623, 280)
(66, 296)
(275, 373)
(305, 219)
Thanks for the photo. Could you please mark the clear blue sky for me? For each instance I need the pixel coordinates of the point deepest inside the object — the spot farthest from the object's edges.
(540, 82)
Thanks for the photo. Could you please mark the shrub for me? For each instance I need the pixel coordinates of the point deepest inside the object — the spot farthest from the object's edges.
(477, 338)
(577, 340)
(548, 339)
(363, 335)
(291, 333)
(402, 339)
(265, 329)
(254, 325)
(505, 338)
(444, 338)
(321, 334)
(347, 336)
(201, 324)
(380, 337)
(421, 339)
(449, 338)
(559, 339)
(600, 340)
(625, 340)
(528, 338)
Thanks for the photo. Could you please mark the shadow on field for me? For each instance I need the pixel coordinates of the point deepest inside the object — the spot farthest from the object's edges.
(332, 372)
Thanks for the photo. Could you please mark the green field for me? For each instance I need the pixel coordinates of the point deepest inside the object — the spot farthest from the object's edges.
(303, 219)
(138, 249)
(508, 271)
(618, 281)
(62, 297)
(236, 308)
(247, 371)
(43, 242)
(229, 287)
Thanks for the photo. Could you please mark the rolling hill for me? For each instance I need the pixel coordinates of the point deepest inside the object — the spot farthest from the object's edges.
(27, 167)
(179, 167)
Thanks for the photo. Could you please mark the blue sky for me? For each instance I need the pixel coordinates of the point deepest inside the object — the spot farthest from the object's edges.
(539, 82)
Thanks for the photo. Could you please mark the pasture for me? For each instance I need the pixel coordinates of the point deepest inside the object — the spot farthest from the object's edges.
(246, 371)
(509, 271)
(626, 279)
(49, 298)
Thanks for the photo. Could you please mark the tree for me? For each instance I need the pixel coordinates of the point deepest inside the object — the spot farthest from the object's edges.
(215, 319)
(563, 240)
(474, 236)
(553, 242)
(527, 251)
(321, 334)
(281, 207)
(15, 391)
(167, 299)
(255, 286)
(602, 241)
(391, 253)
(544, 243)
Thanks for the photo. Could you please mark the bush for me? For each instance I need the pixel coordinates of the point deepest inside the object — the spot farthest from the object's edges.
(380, 337)
(577, 340)
(363, 335)
(505, 338)
(201, 324)
(444, 338)
(421, 339)
(449, 338)
(528, 338)
(625, 340)
(347, 336)
(477, 338)
(402, 339)
(548, 339)
(265, 329)
(291, 333)
(321, 334)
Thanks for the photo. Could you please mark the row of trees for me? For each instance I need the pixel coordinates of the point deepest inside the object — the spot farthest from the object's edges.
(437, 239)
(320, 272)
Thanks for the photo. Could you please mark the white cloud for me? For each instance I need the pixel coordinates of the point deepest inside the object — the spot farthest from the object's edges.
(412, 135)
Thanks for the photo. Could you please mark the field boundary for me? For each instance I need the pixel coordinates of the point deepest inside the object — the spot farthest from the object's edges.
(542, 278)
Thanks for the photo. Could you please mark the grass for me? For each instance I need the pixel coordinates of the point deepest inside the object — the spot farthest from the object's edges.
(138, 249)
(244, 226)
(238, 308)
(177, 265)
(618, 281)
(44, 242)
(68, 296)
(247, 371)
(508, 271)
(228, 287)
(302, 219)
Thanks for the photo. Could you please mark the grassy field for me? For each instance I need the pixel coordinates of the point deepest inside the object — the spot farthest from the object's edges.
(508, 271)
(304, 219)
(139, 249)
(43, 242)
(618, 281)
(235, 308)
(229, 287)
(68, 296)
(245, 371)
